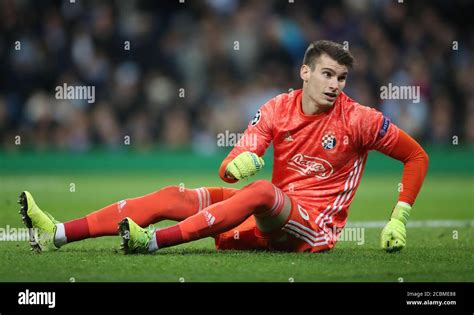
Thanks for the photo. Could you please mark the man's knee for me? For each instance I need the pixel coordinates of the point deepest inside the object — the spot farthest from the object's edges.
(174, 190)
(170, 192)
(264, 192)
(171, 189)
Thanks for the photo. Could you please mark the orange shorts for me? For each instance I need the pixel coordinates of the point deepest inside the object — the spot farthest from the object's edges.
(297, 235)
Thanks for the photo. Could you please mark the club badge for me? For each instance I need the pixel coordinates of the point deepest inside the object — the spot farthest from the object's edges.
(329, 140)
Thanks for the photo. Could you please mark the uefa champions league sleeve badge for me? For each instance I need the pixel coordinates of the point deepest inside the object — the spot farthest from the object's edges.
(256, 118)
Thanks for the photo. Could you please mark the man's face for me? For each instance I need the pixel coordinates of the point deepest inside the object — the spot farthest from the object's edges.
(325, 82)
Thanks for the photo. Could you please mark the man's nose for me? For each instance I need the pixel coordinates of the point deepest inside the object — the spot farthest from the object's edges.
(333, 84)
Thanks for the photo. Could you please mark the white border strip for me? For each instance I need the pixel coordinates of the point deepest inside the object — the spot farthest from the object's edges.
(198, 192)
(415, 224)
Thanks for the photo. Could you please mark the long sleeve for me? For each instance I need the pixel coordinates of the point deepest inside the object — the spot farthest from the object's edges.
(376, 132)
(256, 138)
(415, 161)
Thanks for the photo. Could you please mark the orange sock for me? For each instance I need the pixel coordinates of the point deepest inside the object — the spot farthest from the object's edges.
(169, 203)
(260, 198)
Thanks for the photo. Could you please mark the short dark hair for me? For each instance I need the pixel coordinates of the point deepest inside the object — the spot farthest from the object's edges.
(332, 49)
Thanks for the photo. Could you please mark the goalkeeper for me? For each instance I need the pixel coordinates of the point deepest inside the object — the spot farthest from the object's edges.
(321, 140)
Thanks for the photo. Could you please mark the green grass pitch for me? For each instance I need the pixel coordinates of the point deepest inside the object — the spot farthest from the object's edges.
(432, 254)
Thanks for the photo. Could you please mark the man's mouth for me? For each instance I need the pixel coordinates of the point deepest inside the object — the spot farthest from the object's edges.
(330, 95)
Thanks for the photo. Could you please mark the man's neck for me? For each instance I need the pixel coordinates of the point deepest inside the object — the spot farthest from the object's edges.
(310, 107)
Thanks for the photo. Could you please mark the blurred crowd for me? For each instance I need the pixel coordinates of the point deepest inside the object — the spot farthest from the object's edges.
(177, 73)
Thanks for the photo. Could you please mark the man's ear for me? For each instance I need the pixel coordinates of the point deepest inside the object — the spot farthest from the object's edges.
(305, 73)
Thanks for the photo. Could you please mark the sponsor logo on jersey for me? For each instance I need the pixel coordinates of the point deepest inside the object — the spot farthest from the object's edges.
(384, 128)
(329, 140)
(310, 166)
(256, 118)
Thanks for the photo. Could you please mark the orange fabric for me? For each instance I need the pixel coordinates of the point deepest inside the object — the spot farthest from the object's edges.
(220, 193)
(76, 230)
(255, 198)
(241, 237)
(319, 161)
(170, 203)
(247, 236)
(408, 151)
(222, 170)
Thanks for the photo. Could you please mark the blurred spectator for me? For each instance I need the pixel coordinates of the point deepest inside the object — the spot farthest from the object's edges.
(469, 124)
(177, 74)
(442, 118)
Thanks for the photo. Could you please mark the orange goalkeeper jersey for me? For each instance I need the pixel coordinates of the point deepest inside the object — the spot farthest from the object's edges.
(318, 159)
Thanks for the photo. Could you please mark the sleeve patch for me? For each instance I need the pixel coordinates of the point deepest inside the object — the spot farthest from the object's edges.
(256, 118)
(384, 128)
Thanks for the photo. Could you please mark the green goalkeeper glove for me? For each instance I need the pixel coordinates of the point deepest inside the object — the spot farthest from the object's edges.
(394, 235)
(244, 165)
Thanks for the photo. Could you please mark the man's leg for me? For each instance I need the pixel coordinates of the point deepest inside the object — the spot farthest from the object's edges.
(169, 203)
(293, 230)
(260, 198)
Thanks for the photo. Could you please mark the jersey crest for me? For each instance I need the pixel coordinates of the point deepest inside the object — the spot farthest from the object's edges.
(329, 140)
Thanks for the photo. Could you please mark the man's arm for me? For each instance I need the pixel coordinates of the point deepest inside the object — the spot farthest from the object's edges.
(245, 158)
(246, 164)
(415, 161)
(376, 132)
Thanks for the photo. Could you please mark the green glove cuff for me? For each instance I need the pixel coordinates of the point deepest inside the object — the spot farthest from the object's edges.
(401, 212)
(244, 165)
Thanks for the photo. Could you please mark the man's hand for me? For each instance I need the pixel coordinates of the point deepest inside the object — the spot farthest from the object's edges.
(244, 165)
(394, 235)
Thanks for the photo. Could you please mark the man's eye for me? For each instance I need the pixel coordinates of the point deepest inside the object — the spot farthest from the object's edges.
(327, 74)
(341, 79)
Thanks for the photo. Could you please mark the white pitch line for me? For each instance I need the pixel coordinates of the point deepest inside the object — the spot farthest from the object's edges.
(415, 224)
